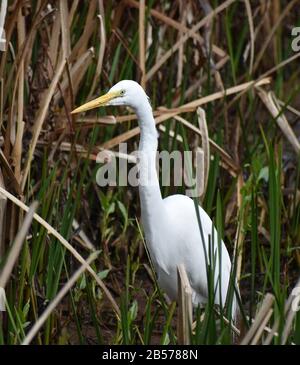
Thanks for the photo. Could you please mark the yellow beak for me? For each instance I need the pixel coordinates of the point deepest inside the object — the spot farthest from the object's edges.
(101, 101)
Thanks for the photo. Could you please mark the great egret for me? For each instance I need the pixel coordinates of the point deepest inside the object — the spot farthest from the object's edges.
(170, 225)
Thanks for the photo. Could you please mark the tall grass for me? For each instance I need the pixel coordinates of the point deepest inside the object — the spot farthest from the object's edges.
(253, 199)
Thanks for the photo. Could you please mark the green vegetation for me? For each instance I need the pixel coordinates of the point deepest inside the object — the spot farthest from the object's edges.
(60, 55)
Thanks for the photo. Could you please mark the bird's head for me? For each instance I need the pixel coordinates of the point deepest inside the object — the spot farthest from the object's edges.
(125, 92)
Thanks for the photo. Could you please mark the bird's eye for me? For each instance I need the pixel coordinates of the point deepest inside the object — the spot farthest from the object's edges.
(122, 92)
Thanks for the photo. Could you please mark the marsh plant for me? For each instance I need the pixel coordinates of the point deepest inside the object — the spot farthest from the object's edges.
(238, 62)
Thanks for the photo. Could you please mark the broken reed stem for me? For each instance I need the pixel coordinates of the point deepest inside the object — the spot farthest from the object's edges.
(272, 104)
(259, 321)
(261, 328)
(185, 309)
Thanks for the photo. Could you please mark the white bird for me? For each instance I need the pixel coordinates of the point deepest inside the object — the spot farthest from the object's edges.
(171, 227)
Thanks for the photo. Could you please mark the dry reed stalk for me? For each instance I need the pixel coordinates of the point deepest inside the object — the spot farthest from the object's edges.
(73, 11)
(54, 45)
(280, 65)
(183, 14)
(41, 114)
(126, 45)
(257, 30)
(92, 121)
(100, 55)
(9, 28)
(221, 94)
(177, 25)
(262, 327)
(86, 241)
(289, 108)
(53, 304)
(17, 148)
(98, 153)
(229, 163)
(275, 15)
(196, 85)
(5, 165)
(271, 33)
(207, 8)
(17, 246)
(65, 243)
(259, 319)
(252, 35)
(270, 101)
(15, 70)
(186, 36)
(82, 65)
(76, 74)
(65, 30)
(81, 45)
(188, 106)
(185, 309)
(265, 76)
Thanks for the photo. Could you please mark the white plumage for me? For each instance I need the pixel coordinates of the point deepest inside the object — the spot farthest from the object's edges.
(171, 226)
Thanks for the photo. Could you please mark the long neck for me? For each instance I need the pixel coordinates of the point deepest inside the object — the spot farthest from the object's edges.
(148, 139)
(150, 194)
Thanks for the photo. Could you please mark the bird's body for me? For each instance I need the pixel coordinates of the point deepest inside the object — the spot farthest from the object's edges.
(171, 226)
(176, 240)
